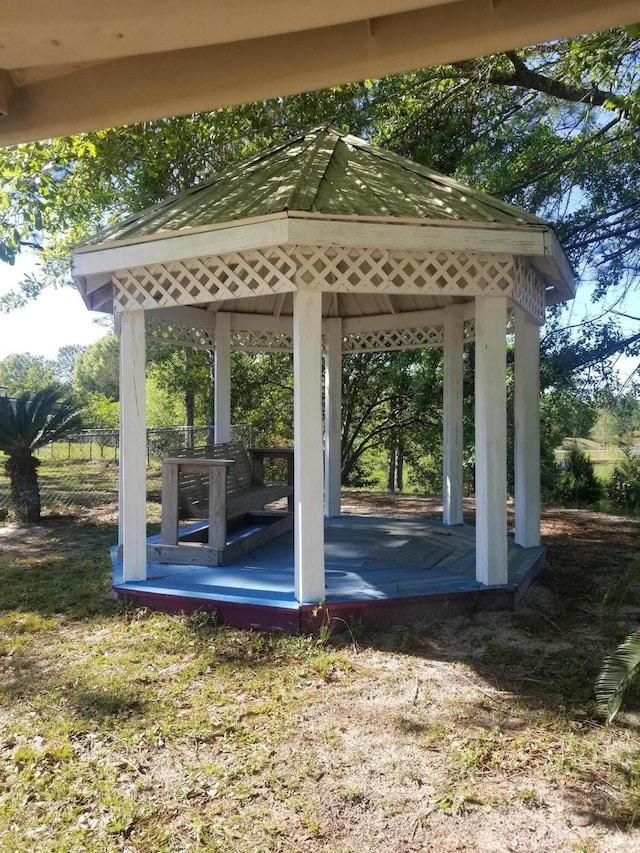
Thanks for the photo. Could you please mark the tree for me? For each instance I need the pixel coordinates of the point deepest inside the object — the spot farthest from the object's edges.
(554, 128)
(65, 361)
(97, 369)
(184, 373)
(26, 424)
(21, 372)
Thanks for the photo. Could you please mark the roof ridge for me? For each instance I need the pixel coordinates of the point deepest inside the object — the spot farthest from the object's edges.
(317, 166)
(322, 169)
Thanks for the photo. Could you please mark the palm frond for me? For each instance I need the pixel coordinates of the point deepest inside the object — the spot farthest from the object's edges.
(619, 592)
(35, 419)
(618, 673)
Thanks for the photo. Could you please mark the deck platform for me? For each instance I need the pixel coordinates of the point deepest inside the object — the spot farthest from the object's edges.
(378, 571)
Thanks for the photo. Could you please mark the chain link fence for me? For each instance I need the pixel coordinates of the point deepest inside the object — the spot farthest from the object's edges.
(82, 470)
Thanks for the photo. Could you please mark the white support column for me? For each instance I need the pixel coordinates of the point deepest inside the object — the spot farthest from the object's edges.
(452, 417)
(527, 430)
(491, 440)
(133, 447)
(332, 416)
(307, 428)
(222, 379)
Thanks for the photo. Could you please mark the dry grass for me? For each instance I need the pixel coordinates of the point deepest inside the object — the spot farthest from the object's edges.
(124, 730)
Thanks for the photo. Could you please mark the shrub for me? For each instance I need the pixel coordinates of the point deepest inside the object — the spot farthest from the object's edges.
(623, 489)
(578, 482)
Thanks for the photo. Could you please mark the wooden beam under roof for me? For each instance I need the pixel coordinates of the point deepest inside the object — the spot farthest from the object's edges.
(145, 60)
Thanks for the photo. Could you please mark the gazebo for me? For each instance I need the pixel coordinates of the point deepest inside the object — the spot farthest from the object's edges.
(326, 245)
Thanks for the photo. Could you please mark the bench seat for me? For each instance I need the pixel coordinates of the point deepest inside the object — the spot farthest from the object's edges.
(223, 483)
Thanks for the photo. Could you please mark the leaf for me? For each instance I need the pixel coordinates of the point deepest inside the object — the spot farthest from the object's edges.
(618, 673)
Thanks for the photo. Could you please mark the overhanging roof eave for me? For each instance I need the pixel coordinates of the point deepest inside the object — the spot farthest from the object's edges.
(93, 265)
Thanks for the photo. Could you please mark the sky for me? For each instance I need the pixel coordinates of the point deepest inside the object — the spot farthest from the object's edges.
(58, 317)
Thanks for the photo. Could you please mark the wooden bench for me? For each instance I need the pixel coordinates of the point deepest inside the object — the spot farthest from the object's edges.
(224, 483)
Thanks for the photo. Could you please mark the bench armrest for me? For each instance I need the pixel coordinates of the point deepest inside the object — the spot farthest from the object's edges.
(259, 454)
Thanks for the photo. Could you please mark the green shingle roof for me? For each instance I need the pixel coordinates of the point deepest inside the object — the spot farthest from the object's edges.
(322, 171)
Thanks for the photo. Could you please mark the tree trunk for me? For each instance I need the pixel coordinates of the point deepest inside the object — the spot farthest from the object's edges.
(212, 410)
(391, 471)
(25, 494)
(189, 409)
(400, 464)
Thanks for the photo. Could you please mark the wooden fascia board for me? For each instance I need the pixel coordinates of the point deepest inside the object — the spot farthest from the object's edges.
(537, 242)
(261, 322)
(404, 320)
(165, 249)
(145, 87)
(184, 315)
(508, 240)
(242, 322)
(561, 263)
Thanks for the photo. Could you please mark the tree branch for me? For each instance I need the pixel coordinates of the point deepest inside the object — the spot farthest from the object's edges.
(525, 78)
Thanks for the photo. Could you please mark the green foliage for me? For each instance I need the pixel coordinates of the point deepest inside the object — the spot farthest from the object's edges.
(623, 487)
(65, 362)
(391, 401)
(164, 407)
(578, 482)
(27, 423)
(22, 372)
(100, 412)
(178, 379)
(97, 369)
(619, 672)
(618, 417)
(262, 393)
(35, 420)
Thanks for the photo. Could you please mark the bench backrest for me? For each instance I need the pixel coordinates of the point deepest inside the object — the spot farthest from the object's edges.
(194, 488)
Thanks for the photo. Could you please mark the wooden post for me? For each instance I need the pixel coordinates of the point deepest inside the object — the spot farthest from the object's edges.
(307, 428)
(332, 416)
(527, 430)
(133, 451)
(491, 440)
(452, 475)
(222, 381)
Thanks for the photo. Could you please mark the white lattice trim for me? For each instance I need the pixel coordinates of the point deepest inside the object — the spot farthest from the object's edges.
(262, 341)
(396, 339)
(333, 269)
(367, 270)
(201, 280)
(529, 290)
(161, 332)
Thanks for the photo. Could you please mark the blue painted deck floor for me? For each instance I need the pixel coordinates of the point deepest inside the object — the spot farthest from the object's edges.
(367, 559)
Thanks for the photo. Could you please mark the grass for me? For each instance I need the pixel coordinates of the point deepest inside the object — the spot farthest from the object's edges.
(122, 729)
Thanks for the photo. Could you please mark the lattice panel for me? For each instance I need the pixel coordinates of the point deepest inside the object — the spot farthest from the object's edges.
(381, 271)
(262, 342)
(529, 290)
(209, 279)
(160, 332)
(396, 339)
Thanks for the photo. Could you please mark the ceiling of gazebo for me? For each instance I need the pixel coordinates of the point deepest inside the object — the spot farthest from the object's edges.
(72, 65)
